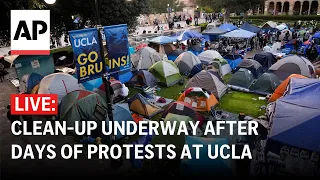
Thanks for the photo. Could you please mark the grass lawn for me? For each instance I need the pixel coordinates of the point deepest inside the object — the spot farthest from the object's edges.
(67, 48)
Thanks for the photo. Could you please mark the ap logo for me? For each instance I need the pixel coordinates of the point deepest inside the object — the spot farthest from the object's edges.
(30, 32)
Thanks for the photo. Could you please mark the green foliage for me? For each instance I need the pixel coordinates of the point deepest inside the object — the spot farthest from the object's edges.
(279, 18)
(231, 5)
(160, 6)
(203, 26)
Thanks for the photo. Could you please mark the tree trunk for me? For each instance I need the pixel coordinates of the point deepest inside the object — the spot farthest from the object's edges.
(226, 15)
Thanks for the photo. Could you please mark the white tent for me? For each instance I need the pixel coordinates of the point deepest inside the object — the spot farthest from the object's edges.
(239, 33)
(214, 57)
(59, 83)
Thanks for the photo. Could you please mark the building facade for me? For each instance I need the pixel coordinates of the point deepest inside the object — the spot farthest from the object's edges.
(292, 7)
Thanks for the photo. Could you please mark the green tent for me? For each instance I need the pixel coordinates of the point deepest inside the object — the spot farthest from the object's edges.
(82, 105)
(265, 84)
(166, 72)
(177, 140)
(243, 78)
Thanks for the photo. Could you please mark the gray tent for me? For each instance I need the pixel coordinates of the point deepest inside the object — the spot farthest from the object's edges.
(253, 65)
(188, 62)
(208, 80)
(293, 65)
(146, 57)
(265, 84)
(243, 78)
(143, 78)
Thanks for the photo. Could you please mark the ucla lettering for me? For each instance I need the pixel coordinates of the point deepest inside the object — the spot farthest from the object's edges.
(91, 68)
(84, 42)
(23, 26)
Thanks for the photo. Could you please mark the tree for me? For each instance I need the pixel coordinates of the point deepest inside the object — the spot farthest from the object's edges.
(232, 5)
(160, 6)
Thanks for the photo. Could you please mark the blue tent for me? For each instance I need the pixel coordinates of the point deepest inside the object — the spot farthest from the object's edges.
(33, 80)
(227, 27)
(92, 84)
(204, 165)
(188, 34)
(121, 113)
(249, 27)
(233, 60)
(163, 40)
(296, 119)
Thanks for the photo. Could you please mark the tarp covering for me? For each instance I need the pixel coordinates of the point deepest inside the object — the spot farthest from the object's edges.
(188, 34)
(249, 27)
(188, 63)
(283, 87)
(296, 119)
(252, 65)
(80, 105)
(214, 31)
(143, 78)
(207, 80)
(204, 165)
(163, 40)
(265, 84)
(266, 59)
(239, 33)
(140, 105)
(233, 60)
(292, 65)
(227, 27)
(59, 83)
(166, 72)
(242, 78)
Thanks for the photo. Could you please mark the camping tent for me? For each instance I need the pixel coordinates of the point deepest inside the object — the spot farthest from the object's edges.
(81, 105)
(59, 83)
(249, 27)
(140, 105)
(121, 113)
(265, 84)
(163, 40)
(206, 166)
(183, 109)
(214, 58)
(269, 25)
(239, 33)
(199, 99)
(207, 80)
(292, 65)
(283, 87)
(27, 64)
(252, 65)
(143, 78)
(173, 56)
(227, 27)
(145, 58)
(166, 73)
(29, 81)
(117, 87)
(266, 59)
(243, 78)
(163, 48)
(233, 60)
(188, 63)
(296, 117)
(283, 34)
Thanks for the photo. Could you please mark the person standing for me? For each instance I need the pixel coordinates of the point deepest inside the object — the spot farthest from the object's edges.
(1, 72)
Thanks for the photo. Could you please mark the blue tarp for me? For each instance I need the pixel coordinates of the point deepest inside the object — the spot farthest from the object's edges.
(239, 33)
(204, 165)
(33, 80)
(296, 119)
(163, 40)
(249, 27)
(188, 34)
(233, 60)
(227, 27)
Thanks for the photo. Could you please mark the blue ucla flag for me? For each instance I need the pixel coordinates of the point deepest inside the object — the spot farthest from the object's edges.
(118, 49)
(86, 53)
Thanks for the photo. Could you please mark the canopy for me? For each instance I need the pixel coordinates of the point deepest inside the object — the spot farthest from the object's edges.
(188, 34)
(214, 31)
(249, 27)
(239, 33)
(296, 119)
(269, 25)
(163, 40)
(227, 27)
